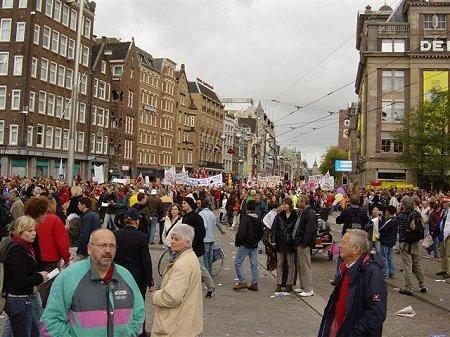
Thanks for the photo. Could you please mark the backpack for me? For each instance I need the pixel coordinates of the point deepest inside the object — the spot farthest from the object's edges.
(354, 221)
(414, 230)
(5, 246)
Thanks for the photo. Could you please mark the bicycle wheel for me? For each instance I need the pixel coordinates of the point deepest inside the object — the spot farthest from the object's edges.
(163, 262)
(218, 262)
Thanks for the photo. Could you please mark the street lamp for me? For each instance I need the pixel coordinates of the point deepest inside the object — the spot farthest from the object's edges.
(74, 98)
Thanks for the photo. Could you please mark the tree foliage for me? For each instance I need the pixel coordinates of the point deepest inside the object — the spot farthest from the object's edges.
(328, 159)
(426, 140)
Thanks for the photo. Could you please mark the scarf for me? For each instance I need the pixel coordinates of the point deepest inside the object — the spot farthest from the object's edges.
(28, 246)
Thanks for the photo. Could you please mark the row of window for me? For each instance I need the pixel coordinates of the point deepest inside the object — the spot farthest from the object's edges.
(165, 159)
(10, 4)
(388, 145)
(129, 124)
(4, 64)
(148, 118)
(184, 157)
(64, 14)
(188, 120)
(147, 157)
(149, 78)
(100, 116)
(149, 98)
(165, 141)
(168, 87)
(167, 104)
(56, 74)
(147, 137)
(183, 136)
(99, 144)
(6, 29)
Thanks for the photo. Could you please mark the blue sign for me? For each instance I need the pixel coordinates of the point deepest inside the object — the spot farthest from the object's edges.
(343, 165)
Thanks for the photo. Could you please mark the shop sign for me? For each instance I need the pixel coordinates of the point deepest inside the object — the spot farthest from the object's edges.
(35, 153)
(9, 151)
(436, 45)
(125, 168)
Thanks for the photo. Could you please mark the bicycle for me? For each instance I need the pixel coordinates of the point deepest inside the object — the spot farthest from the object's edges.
(218, 261)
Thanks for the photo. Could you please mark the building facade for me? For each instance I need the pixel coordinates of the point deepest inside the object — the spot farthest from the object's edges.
(210, 117)
(228, 140)
(403, 55)
(344, 127)
(37, 52)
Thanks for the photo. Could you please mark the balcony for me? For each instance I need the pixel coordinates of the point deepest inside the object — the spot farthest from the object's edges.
(393, 29)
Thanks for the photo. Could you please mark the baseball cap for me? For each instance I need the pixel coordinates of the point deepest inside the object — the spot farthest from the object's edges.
(132, 214)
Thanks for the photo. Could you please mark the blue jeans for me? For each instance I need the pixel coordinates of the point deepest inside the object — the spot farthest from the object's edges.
(36, 309)
(152, 228)
(436, 247)
(22, 316)
(240, 257)
(208, 257)
(387, 254)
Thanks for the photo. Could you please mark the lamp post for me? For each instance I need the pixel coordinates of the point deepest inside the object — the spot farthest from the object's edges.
(74, 98)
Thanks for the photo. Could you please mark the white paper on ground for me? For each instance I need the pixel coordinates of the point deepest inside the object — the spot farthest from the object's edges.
(439, 281)
(406, 312)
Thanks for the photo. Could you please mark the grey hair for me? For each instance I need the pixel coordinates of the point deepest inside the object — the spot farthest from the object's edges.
(358, 237)
(303, 197)
(407, 201)
(184, 232)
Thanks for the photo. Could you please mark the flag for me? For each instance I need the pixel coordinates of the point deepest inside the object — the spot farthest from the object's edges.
(139, 179)
(79, 174)
(230, 150)
(61, 170)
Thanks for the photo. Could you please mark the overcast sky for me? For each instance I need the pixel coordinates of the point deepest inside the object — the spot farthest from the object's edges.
(254, 49)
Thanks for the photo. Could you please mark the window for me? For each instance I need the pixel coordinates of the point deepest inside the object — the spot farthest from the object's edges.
(55, 41)
(83, 84)
(52, 72)
(4, 61)
(106, 123)
(118, 70)
(51, 104)
(65, 141)
(2, 97)
(87, 28)
(182, 99)
(15, 99)
(13, 134)
(386, 141)
(393, 80)
(99, 145)
(434, 21)
(38, 5)
(40, 135)
(49, 8)
(85, 56)
(46, 37)
(80, 141)
(69, 75)
(95, 87)
(34, 65)
(42, 102)
(61, 75)
(2, 131)
(105, 145)
(57, 11)
(37, 30)
(57, 139)
(5, 27)
(66, 109)
(7, 3)
(130, 98)
(71, 50)
(103, 68)
(100, 116)
(94, 115)
(44, 69)
(65, 15)
(63, 45)
(393, 45)
(73, 19)
(82, 112)
(30, 135)
(92, 142)
(398, 147)
(59, 107)
(49, 137)
(32, 101)
(20, 32)
(23, 3)
(101, 90)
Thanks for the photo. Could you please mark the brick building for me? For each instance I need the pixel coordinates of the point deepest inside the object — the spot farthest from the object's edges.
(37, 51)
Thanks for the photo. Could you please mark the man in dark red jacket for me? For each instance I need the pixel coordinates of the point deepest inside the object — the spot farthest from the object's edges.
(357, 306)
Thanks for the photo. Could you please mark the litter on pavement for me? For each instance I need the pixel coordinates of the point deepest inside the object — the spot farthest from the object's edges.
(406, 312)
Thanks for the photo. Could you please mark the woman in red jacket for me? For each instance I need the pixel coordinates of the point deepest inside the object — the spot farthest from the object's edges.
(53, 244)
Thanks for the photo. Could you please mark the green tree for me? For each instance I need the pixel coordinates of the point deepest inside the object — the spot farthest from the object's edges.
(426, 141)
(333, 153)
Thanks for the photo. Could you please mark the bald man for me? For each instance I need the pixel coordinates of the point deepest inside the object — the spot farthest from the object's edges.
(77, 305)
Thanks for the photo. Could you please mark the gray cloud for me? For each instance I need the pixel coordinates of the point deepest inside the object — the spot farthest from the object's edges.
(250, 48)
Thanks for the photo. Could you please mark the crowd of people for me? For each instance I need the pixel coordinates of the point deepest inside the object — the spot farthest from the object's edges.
(101, 233)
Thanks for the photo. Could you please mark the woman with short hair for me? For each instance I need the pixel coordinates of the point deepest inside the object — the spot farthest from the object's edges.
(179, 304)
(21, 277)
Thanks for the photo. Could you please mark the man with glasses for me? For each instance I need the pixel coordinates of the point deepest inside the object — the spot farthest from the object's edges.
(95, 297)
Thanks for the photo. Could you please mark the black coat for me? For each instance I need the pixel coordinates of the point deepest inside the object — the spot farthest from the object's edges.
(282, 229)
(306, 232)
(388, 232)
(133, 254)
(366, 301)
(353, 215)
(21, 271)
(194, 220)
(250, 231)
(90, 221)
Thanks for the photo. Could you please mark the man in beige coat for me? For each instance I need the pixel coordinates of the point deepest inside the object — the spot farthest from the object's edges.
(179, 303)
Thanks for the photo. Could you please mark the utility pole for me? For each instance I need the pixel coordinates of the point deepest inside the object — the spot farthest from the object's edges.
(74, 98)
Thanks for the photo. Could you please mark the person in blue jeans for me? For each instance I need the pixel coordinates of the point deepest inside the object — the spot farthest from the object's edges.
(210, 222)
(388, 237)
(250, 232)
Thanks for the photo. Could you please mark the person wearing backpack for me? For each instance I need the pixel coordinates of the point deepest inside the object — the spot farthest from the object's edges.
(410, 229)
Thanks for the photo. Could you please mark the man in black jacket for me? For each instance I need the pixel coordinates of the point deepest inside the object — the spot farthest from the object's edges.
(304, 235)
(357, 306)
(133, 253)
(247, 237)
(388, 238)
(194, 220)
(90, 221)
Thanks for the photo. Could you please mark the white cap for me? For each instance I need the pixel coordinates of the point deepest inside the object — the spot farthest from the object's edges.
(141, 190)
(153, 192)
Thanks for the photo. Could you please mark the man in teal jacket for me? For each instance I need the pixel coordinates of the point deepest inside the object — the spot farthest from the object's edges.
(94, 297)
